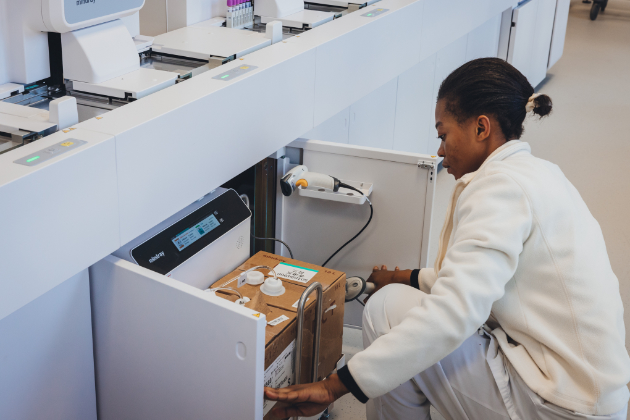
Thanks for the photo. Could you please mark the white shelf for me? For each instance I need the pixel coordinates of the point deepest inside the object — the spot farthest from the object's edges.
(344, 195)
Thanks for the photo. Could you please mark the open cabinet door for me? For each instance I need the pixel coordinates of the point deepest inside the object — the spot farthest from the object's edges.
(402, 197)
(166, 350)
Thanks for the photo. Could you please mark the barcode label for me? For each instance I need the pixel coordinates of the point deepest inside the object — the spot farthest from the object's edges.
(279, 374)
(298, 301)
(278, 320)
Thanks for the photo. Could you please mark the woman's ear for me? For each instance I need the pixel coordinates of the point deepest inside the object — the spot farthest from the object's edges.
(483, 128)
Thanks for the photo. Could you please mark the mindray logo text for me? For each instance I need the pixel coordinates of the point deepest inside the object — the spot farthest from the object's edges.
(80, 2)
(156, 256)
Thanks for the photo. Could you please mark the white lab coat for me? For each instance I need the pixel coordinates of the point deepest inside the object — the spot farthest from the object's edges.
(520, 245)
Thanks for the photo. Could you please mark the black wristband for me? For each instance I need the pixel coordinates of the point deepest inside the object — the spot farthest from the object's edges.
(346, 378)
(415, 279)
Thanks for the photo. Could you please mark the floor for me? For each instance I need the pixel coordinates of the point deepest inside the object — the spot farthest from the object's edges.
(348, 407)
(587, 135)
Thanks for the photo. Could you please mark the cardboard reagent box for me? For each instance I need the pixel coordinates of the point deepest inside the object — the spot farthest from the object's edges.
(297, 276)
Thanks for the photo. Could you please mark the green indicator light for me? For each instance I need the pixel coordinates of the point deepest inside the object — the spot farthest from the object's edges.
(369, 14)
(223, 77)
(32, 159)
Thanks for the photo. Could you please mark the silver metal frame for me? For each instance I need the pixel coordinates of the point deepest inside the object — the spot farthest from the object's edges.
(300, 330)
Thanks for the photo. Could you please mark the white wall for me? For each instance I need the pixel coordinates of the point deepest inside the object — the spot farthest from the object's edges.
(400, 114)
(373, 117)
(153, 18)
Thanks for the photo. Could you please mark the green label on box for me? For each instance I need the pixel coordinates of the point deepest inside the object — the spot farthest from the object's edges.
(294, 272)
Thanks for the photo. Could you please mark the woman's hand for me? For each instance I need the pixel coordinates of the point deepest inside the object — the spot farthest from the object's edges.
(308, 399)
(381, 277)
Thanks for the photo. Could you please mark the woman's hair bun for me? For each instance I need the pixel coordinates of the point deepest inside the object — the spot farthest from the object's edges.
(542, 105)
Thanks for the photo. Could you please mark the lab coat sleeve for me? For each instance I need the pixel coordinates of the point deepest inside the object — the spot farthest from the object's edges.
(427, 279)
(494, 220)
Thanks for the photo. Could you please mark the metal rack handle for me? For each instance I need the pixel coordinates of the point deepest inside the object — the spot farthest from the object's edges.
(297, 361)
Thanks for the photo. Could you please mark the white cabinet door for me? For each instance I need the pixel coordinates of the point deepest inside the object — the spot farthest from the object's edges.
(414, 105)
(530, 38)
(372, 118)
(165, 350)
(334, 129)
(504, 34)
(399, 232)
(559, 31)
(522, 35)
(46, 356)
(542, 40)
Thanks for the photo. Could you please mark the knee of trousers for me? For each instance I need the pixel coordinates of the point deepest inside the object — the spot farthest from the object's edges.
(387, 308)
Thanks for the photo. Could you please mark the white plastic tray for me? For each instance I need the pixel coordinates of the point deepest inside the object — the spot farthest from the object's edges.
(344, 195)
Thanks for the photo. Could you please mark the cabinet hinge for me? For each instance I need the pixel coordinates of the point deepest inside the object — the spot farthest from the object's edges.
(426, 165)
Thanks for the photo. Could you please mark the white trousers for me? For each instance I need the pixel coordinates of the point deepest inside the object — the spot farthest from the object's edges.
(475, 382)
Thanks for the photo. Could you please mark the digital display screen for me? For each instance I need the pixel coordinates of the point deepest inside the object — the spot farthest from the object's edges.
(189, 236)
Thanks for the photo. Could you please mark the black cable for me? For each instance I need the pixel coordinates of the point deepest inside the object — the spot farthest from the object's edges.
(341, 184)
(274, 239)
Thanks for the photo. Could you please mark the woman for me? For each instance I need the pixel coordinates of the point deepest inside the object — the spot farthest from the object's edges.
(521, 318)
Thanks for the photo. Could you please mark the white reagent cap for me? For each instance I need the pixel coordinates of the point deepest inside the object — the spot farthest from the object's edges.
(255, 278)
(242, 301)
(272, 287)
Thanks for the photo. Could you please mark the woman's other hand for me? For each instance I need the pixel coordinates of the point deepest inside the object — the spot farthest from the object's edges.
(381, 277)
(308, 399)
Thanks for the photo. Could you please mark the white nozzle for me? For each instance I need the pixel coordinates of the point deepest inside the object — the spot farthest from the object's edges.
(356, 286)
(369, 287)
(242, 301)
(272, 287)
(255, 278)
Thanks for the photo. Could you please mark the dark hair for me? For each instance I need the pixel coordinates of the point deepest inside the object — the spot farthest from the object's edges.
(493, 87)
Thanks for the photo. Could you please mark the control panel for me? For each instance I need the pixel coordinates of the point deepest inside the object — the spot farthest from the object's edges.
(235, 72)
(50, 152)
(184, 238)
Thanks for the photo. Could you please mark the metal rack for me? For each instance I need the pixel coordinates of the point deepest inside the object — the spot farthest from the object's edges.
(316, 286)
